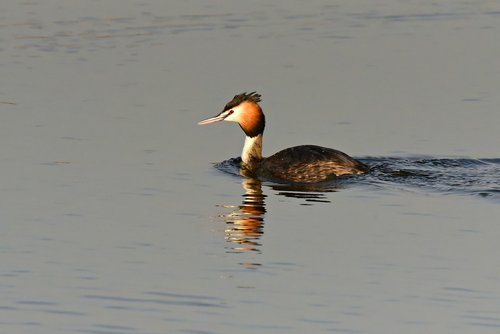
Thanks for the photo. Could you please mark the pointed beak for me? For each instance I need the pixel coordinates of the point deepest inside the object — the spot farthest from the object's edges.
(218, 118)
(211, 120)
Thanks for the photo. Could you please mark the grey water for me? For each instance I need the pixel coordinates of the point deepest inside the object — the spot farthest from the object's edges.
(120, 215)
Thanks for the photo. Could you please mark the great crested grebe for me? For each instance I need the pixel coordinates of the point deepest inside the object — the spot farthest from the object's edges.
(305, 163)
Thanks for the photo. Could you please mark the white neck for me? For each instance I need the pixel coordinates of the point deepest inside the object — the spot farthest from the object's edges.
(252, 151)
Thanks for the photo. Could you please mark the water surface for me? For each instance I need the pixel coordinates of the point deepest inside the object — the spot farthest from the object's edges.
(114, 219)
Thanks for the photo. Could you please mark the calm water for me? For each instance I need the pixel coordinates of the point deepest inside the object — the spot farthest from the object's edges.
(115, 219)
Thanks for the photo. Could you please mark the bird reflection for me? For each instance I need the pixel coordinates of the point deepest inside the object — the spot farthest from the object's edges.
(245, 225)
(309, 193)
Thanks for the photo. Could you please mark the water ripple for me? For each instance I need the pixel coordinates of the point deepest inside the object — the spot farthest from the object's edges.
(453, 176)
(462, 176)
(162, 299)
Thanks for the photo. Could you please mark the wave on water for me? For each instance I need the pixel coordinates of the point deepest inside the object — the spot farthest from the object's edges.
(459, 176)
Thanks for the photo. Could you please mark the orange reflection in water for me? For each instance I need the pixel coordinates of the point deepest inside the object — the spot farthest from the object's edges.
(245, 225)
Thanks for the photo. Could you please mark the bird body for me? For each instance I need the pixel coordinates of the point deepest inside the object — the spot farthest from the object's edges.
(304, 163)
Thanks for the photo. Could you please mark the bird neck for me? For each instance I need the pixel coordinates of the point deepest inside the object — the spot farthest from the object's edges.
(252, 151)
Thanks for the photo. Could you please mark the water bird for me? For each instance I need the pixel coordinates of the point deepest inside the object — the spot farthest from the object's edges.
(300, 164)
